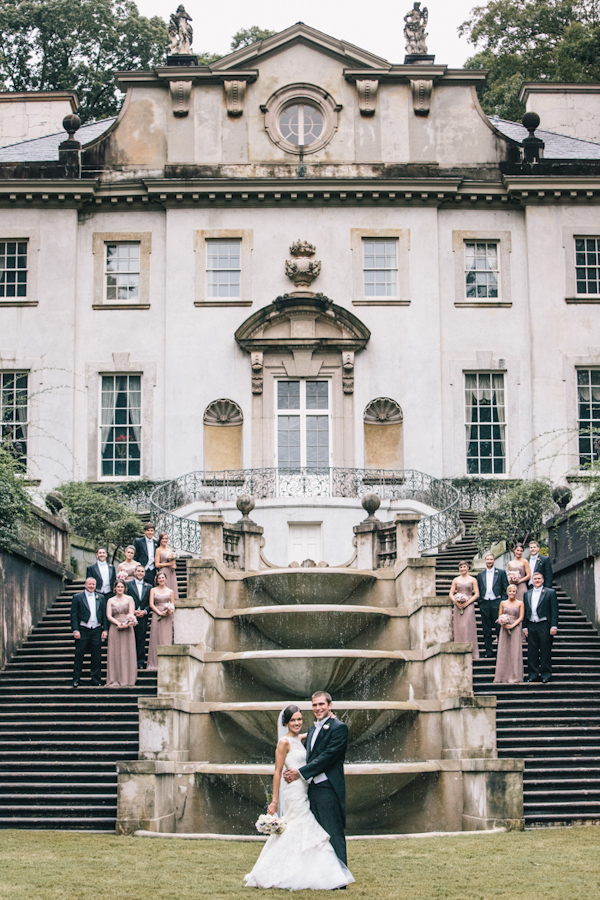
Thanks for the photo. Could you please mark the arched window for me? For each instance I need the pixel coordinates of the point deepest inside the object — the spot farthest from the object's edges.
(383, 434)
(223, 422)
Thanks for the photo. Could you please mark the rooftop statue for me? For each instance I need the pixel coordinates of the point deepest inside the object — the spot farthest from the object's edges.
(414, 29)
(181, 33)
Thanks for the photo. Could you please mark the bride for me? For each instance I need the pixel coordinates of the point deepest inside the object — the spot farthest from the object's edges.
(301, 857)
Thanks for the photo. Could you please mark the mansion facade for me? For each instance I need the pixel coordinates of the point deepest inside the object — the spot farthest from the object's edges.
(299, 257)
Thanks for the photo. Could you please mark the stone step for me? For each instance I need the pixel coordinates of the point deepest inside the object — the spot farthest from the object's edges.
(89, 823)
(51, 802)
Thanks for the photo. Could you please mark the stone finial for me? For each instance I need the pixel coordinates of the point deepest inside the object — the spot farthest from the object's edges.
(55, 501)
(533, 147)
(371, 503)
(71, 124)
(302, 270)
(415, 22)
(181, 33)
(245, 503)
(562, 496)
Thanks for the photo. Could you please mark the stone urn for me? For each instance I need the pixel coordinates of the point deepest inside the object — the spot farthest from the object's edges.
(302, 269)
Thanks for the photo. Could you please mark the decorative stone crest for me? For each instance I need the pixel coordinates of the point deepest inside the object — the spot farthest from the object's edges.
(181, 32)
(422, 89)
(302, 270)
(180, 97)
(223, 412)
(367, 95)
(383, 411)
(235, 92)
(415, 22)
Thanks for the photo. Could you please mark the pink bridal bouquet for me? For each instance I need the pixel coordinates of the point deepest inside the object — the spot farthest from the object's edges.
(169, 609)
(505, 620)
(171, 556)
(267, 824)
(130, 622)
(513, 577)
(460, 599)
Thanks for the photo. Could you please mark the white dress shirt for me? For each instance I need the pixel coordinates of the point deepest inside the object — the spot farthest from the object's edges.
(92, 622)
(105, 586)
(140, 586)
(489, 584)
(150, 551)
(532, 564)
(535, 599)
(322, 777)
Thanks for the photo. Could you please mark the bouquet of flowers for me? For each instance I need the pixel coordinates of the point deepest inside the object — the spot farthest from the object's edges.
(460, 599)
(267, 824)
(171, 556)
(169, 609)
(505, 620)
(513, 576)
(130, 621)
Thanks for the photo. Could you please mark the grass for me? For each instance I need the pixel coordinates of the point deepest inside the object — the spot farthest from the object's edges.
(549, 864)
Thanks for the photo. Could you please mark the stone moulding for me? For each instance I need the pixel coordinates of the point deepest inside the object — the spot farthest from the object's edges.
(235, 93)
(422, 89)
(180, 97)
(383, 411)
(223, 412)
(366, 89)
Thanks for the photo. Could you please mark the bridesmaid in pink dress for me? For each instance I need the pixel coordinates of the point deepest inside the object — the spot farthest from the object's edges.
(121, 657)
(518, 572)
(165, 561)
(161, 634)
(463, 593)
(509, 664)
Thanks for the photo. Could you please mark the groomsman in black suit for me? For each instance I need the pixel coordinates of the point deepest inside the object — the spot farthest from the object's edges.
(492, 583)
(89, 625)
(103, 573)
(539, 563)
(140, 591)
(540, 624)
(326, 744)
(145, 551)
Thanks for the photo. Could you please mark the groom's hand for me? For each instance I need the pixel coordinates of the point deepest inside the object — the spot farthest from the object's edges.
(291, 775)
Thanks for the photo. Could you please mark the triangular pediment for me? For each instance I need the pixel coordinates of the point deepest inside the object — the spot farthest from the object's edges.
(346, 53)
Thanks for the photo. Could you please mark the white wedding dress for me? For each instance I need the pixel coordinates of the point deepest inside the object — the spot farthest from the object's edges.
(301, 858)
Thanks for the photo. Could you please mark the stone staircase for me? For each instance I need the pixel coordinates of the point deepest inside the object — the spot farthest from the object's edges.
(59, 746)
(555, 728)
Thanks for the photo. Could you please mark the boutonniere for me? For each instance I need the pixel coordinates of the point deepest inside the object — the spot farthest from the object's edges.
(325, 727)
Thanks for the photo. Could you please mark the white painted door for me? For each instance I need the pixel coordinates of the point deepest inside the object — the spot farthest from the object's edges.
(305, 542)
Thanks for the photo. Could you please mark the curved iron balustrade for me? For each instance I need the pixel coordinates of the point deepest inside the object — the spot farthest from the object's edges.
(266, 484)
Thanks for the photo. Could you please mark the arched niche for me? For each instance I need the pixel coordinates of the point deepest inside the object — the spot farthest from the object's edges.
(223, 424)
(383, 423)
(302, 335)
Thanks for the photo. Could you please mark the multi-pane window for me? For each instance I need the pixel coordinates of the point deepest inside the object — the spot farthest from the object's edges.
(380, 267)
(122, 273)
(481, 270)
(224, 268)
(13, 269)
(588, 403)
(587, 265)
(301, 124)
(303, 424)
(13, 415)
(120, 425)
(485, 423)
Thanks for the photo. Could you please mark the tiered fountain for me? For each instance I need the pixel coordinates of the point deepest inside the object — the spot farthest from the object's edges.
(251, 638)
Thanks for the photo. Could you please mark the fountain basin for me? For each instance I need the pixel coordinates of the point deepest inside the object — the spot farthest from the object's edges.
(319, 585)
(315, 626)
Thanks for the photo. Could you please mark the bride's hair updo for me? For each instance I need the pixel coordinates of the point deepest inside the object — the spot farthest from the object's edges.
(288, 712)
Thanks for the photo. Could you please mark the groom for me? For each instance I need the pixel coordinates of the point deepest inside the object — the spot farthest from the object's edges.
(326, 744)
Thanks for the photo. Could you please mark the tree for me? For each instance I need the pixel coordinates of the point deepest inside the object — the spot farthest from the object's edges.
(532, 40)
(246, 36)
(15, 505)
(77, 45)
(98, 517)
(516, 516)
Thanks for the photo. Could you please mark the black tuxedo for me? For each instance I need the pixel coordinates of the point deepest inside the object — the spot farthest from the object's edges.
(544, 566)
(328, 798)
(490, 609)
(141, 555)
(142, 622)
(94, 572)
(90, 638)
(539, 639)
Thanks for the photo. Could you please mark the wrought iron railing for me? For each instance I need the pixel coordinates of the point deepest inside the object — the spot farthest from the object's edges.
(267, 484)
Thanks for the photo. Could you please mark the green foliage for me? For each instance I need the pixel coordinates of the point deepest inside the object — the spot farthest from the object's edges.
(99, 517)
(532, 40)
(588, 514)
(516, 516)
(15, 505)
(77, 45)
(246, 36)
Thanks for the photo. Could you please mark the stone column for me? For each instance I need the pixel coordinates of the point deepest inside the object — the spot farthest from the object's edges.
(407, 535)
(366, 544)
(212, 537)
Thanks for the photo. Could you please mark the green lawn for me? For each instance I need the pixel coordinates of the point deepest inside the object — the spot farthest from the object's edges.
(556, 864)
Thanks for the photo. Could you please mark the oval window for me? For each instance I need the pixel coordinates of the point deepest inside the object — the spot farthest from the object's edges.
(301, 124)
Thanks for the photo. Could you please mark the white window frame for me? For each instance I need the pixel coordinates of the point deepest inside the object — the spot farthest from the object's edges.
(389, 271)
(469, 425)
(127, 476)
(303, 413)
(486, 271)
(16, 269)
(201, 239)
(503, 241)
(402, 238)
(119, 276)
(32, 238)
(14, 423)
(100, 241)
(582, 427)
(222, 242)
